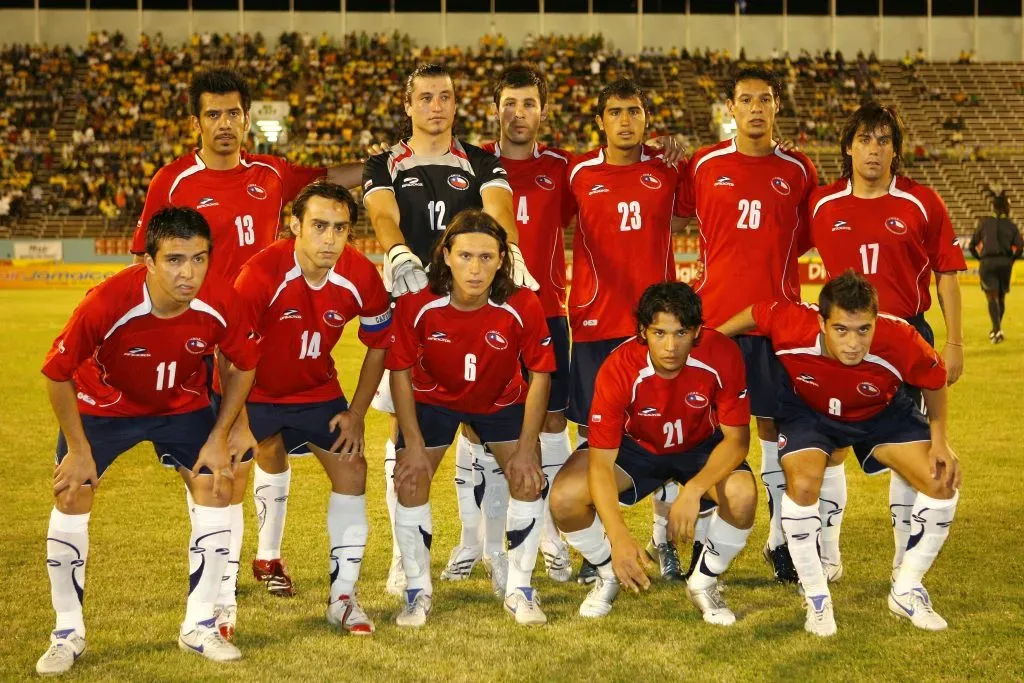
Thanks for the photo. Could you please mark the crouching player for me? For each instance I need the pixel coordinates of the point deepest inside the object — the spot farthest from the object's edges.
(299, 293)
(669, 404)
(845, 365)
(455, 358)
(128, 367)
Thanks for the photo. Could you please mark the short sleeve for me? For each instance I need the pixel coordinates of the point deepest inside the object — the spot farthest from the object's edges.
(156, 199)
(404, 348)
(804, 237)
(376, 175)
(686, 194)
(733, 402)
(764, 314)
(569, 207)
(490, 172)
(294, 177)
(923, 366)
(240, 342)
(375, 314)
(608, 408)
(253, 292)
(81, 335)
(943, 248)
(536, 344)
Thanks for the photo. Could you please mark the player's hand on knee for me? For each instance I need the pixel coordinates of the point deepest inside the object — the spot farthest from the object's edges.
(630, 563)
(520, 275)
(351, 428)
(214, 457)
(240, 440)
(944, 466)
(682, 517)
(953, 357)
(76, 469)
(412, 469)
(524, 472)
(407, 273)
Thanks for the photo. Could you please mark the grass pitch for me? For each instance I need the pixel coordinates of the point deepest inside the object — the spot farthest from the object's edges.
(138, 564)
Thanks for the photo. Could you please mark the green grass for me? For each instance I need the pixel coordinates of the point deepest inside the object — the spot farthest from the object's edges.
(138, 563)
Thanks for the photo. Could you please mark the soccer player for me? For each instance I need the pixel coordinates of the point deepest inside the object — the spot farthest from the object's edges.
(458, 348)
(896, 233)
(996, 243)
(750, 197)
(411, 192)
(128, 367)
(669, 403)
(300, 293)
(845, 365)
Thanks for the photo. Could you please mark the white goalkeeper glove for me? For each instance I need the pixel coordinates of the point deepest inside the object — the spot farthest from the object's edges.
(520, 275)
(404, 271)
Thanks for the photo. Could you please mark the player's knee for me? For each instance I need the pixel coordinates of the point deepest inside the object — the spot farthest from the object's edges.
(802, 487)
(272, 460)
(939, 490)
(77, 503)
(555, 423)
(568, 498)
(741, 499)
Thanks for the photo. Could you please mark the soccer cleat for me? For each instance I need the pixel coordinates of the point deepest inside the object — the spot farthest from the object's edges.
(205, 640)
(225, 617)
(396, 577)
(496, 565)
(667, 558)
(461, 563)
(821, 620)
(999, 338)
(347, 613)
(709, 601)
(556, 560)
(587, 574)
(66, 646)
(524, 605)
(598, 602)
(415, 609)
(275, 574)
(916, 606)
(781, 563)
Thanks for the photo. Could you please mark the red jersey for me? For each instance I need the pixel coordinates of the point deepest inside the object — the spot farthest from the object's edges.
(898, 355)
(300, 324)
(470, 361)
(543, 207)
(126, 362)
(896, 240)
(243, 205)
(669, 416)
(623, 239)
(752, 213)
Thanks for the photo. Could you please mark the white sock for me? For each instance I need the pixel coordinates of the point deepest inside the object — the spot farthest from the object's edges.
(415, 530)
(593, 545)
(270, 494)
(466, 453)
(662, 500)
(390, 496)
(523, 531)
(901, 502)
(700, 529)
(67, 550)
(554, 451)
(347, 530)
(723, 543)
(775, 486)
(931, 519)
(802, 526)
(190, 502)
(208, 553)
(494, 503)
(831, 505)
(229, 582)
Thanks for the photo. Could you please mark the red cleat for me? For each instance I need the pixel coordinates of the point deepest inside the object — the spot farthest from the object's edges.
(275, 574)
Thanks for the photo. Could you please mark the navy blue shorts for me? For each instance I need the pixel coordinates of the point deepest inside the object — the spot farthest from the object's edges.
(298, 424)
(439, 426)
(649, 471)
(764, 374)
(587, 358)
(558, 328)
(925, 330)
(802, 428)
(177, 439)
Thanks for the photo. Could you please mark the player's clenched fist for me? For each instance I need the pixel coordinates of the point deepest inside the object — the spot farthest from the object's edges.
(405, 271)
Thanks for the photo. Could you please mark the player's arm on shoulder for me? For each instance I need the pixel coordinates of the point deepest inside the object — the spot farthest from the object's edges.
(741, 323)
(497, 203)
(156, 198)
(385, 217)
(347, 175)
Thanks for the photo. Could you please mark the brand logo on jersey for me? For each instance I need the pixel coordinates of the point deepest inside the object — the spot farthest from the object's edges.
(841, 225)
(413, 181)
(256, 191)
(60, 346)
(742, 394)
(780, 185)
(496, 340)
(596, 417)
(546, 341)
(196, 345)
(206, 202)
(498, 170)
(868, 389)
(724, 181)
(782, 441)
(367, 185)
(437, 336)
(651, 181)
(86, 398)
(807, 379)
(650, 411)
(590, 323)
(137, 352)
(544, 183)
(598, 189)
(457, 182)
(333, 318)
(291, 314)
(696, 400)
(895, 226)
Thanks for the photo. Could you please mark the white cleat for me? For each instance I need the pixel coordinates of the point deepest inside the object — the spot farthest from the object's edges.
(225, 617)
(348, 614)
(415, 609)
(598, 602)
(524, 605)
(396, 577)
(821, 620)
(205, 640)
(709, 601)
(833, 572)
(66, 646)
(461, 563)
(496, 565)
(916, 606)
(556, 560)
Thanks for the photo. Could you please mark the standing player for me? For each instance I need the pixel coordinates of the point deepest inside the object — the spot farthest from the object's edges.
(458, 349)
(896, 233)
(670, 403)
(299, 293)
(846, 365)
(128, 367)
(750, 196)
(996, 243)
(411, 192)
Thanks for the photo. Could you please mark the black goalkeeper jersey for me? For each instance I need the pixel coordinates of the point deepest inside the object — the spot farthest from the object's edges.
(431, 190)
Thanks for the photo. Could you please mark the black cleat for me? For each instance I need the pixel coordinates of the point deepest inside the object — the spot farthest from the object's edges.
(587, 574)
(781, 563)
(667, 558)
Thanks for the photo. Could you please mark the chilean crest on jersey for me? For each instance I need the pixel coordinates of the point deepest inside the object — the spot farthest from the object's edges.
(545, 183)
(650, 181)
(868, 389)
(697, 400)
(895, 226)
(780, 185)
(333, 318)
(496, 340)
(256, 191)
(196, 345)
(458, 182)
